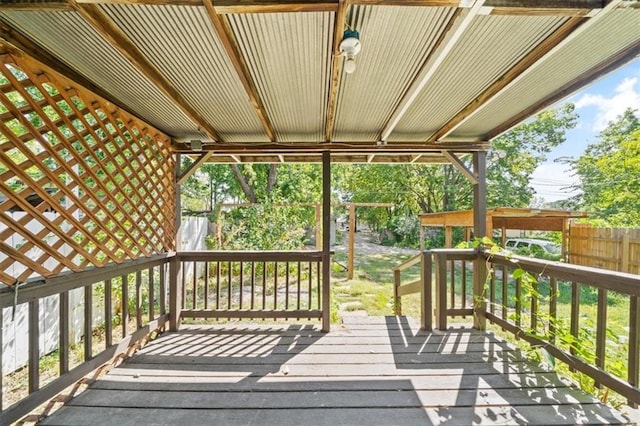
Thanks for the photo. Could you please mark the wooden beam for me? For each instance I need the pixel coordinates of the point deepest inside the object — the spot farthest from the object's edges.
(415, 158)
(272, 6)
(360, 148)
(123, 44)
(430, 67)
(57, 5)
(549, 100)
(462, 168)
(613, 63)
(429, 3)
(531, 58)
(193, 167)
(228, 40)
(145, 2)
(334, 84)
(370, 158)
(539, 11)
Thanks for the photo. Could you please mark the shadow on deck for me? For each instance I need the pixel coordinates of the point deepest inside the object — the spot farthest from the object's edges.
(371, 371)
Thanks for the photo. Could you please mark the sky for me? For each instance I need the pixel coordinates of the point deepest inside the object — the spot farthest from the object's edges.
(596, 105)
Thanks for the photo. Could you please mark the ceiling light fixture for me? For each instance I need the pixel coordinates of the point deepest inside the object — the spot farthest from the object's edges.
(350, 47)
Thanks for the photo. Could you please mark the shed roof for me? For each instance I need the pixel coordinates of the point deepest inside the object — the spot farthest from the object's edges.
(263, 80)
(505, 217)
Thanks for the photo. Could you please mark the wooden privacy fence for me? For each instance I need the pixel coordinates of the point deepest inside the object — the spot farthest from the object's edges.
(615, 249)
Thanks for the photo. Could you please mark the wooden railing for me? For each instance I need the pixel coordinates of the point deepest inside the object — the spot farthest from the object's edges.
(130, 299)
(252, 284)
(139, 297)
(581, 337)
(541, 302)
(422, 286)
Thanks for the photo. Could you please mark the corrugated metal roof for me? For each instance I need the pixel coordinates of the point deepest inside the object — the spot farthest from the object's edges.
(605, 38)
(289, 56)
(489, 48)
(67, 36)
(396, 41)
(181, 42)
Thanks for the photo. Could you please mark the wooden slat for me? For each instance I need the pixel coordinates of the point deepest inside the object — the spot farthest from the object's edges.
(124, 314)
(63, 342)
(34, 346)
(108, 314)
(601, 329)
(411, 288)
(88, 322)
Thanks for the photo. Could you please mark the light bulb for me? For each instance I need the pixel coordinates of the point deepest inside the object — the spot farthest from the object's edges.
(349, 65)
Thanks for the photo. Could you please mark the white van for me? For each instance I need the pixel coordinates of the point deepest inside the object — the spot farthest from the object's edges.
(532, 245)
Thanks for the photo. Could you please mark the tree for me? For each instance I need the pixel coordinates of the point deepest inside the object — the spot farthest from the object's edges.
(432, 188)
(609, 172)
(521, 150)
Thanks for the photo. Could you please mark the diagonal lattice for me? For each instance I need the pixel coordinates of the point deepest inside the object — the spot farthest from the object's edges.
(82, 183)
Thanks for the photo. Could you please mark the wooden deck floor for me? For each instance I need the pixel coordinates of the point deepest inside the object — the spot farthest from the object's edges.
(370, 371)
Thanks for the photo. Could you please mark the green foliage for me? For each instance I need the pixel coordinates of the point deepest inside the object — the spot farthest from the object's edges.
(609, 172)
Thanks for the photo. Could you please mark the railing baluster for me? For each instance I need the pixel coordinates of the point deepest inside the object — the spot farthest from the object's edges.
(194, 302)
(275, 286)
(505, 288)
(492, 292)
(452, 284)
(124, 318)
(286, 288)
(633, 372)
(299, 285)
(206, 285)
(88, 319)
(575, 315)
(151, 295)
(218, 285)
(229, 278)
(318, 287)
(108, 321)
(463, 290)
(601, 329)
(241, 291)
(34, 345)
(253, 284)
(534, 306)
(310, 293)
(184, 285)
(441, 291)
(138, 299)
(264, 285)
(553, 308)
(64, 332)
(163, 289)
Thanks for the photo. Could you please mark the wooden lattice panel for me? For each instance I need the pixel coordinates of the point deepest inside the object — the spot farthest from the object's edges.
(82, 183)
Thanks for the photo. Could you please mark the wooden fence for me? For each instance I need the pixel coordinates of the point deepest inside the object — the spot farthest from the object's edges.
(615, 249)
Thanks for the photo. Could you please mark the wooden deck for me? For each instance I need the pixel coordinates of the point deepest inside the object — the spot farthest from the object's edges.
(369, 371)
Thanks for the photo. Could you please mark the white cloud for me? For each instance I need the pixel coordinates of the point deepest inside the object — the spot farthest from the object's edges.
(626, 95)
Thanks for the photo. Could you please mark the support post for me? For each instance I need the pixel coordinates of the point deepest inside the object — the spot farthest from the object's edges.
(426, 296)
(175, 293)
(318, 226)
(352, 238)
(326, 241)
(421, 237)
(480, 230)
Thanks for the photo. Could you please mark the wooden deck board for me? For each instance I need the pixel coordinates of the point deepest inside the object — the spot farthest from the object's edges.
(375, 371)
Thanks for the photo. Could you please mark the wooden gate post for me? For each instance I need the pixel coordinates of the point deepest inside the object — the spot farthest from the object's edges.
(326, 241)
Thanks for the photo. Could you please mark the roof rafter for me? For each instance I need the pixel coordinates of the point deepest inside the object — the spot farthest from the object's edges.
(430, 67)
(338, 28)
(534, 55)
(225, 34)
(547, 48)
(123, 44)
(620, 59)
